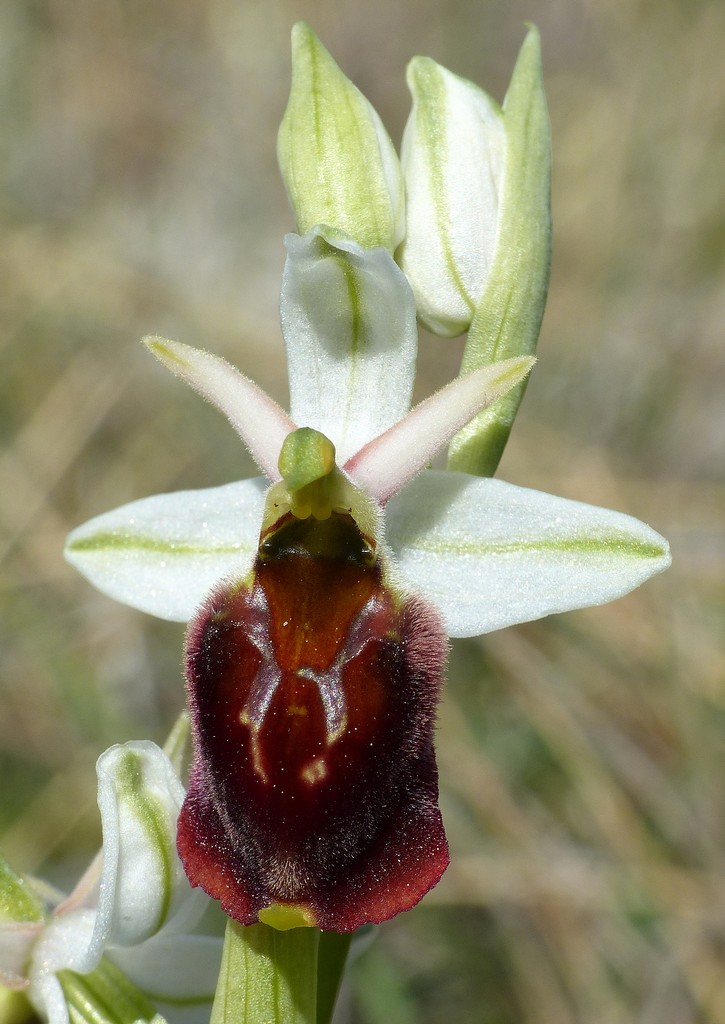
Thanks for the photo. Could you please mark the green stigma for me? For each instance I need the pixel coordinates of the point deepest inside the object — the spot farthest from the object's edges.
(307, 466)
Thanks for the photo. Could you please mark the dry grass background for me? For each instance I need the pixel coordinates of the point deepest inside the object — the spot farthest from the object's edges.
(582, 758)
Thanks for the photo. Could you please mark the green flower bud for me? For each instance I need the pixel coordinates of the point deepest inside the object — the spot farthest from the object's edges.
(338, 163)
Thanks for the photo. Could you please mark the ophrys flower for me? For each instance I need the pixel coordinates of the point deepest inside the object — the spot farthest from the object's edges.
(366, 568)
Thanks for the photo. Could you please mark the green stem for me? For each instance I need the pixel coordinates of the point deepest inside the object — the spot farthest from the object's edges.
(267, 976)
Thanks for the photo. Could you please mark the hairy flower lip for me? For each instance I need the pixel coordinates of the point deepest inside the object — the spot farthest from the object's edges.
(481, 553)
(312, 688)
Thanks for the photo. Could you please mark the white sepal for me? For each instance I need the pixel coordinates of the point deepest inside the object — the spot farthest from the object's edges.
(165, 553)
(62, 946)
(348, 319)
(140, 913)
(489, 554)
(178, 973)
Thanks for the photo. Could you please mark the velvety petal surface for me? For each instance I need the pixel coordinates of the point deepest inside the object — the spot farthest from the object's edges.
(165, 553)
(348, 319)
(312, 695)
(489, 554)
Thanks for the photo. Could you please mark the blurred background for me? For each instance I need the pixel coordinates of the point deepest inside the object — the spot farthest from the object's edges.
(582, 758)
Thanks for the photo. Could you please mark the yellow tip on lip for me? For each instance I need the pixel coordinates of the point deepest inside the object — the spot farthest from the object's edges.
(284, 916)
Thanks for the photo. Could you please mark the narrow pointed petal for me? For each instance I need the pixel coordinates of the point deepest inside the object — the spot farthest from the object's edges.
(348, 319)
(164, 554)
(488, 554)
(258, 420)
(389, 461)
(143, 887)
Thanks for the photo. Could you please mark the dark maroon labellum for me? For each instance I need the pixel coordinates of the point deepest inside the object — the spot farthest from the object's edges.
(313, 689)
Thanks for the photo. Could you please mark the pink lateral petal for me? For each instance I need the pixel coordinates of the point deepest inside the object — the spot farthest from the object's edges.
(389, 461)
(259, 421)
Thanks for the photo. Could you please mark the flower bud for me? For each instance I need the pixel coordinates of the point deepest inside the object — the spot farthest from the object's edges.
(453, 153)
(477, 181)
(338, 163)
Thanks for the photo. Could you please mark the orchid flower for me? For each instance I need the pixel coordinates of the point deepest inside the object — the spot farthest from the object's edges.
(319, 597)
(122, 946)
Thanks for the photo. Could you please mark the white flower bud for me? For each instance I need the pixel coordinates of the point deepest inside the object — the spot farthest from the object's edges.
(477, 181)
(453, 154)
